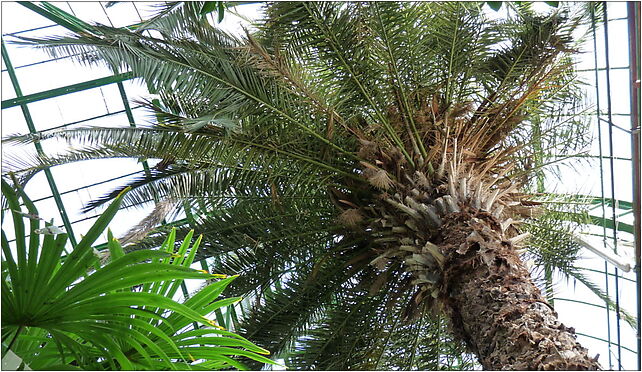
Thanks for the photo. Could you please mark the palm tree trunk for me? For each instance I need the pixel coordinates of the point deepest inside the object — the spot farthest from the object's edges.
(494, 305)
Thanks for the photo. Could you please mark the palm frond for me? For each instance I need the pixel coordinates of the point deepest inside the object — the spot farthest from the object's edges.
(186, 66)
(553, 246)
(283, 315)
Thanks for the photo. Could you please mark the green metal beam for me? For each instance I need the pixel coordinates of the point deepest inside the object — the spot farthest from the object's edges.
(57, 15)
(621, 277)
(590, 199)
(130, 117)
(84, 120)
(23, 100)
(29, 30)
(604, 222)
(128, 109)
(601, 339)
(41, 62)
(608, 223)
(32, 129)
(580, 302)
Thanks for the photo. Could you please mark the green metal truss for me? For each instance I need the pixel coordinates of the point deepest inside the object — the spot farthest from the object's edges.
(32, 129)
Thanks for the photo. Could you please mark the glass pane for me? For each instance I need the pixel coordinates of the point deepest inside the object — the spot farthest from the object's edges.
(7, 87)
(16, 17)
(13, 121)
(57, 74)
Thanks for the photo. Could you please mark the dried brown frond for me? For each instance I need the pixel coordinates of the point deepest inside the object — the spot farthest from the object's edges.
(330, 127)
(143, 228)
(526, 211)
(276, 66)
(461, 109)
(422, 120)
(434, 106)
(377, 284)
(274, 194)
(367, 150)
(380, 180)
(351, 217)
(349, 203)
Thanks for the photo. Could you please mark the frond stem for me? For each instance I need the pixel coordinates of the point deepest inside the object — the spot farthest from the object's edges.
(385, 122)
(15, 337)
(451, 61)
(392, 330)
(417, 138)
(239, 90)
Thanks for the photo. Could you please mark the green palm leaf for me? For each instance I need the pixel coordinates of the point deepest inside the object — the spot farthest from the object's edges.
(98, 322)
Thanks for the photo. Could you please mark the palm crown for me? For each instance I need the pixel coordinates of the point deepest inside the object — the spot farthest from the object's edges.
(332, 155)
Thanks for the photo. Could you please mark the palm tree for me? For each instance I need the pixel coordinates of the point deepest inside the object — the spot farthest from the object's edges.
(363, 164)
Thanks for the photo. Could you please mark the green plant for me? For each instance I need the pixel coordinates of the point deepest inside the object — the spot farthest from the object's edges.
(360, 162)
(68, 312)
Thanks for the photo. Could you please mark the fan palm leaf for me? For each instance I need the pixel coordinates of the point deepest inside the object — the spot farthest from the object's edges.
(75, 313)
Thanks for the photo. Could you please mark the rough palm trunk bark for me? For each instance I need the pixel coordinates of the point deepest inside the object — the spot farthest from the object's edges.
(495, 307)
(455, 229)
